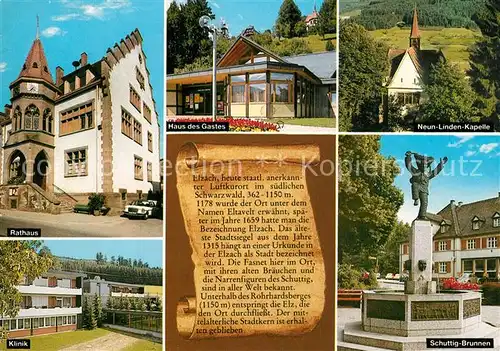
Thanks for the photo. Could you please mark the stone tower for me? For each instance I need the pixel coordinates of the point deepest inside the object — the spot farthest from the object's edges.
(29, 151)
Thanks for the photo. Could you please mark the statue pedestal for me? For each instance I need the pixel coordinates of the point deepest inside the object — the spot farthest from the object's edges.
(421, 244)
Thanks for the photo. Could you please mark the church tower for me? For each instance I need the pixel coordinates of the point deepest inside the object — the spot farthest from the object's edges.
(415, 31)
(29, 151)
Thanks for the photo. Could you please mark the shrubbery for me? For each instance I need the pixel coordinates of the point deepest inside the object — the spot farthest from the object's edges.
(491, 293)
(351, 278)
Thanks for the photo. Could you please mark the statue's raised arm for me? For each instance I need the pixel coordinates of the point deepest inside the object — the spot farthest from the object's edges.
(439, 167)
(408, 164)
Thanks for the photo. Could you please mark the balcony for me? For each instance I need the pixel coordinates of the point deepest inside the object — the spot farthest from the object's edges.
(118, 294)
(48, 312)
(44, 290)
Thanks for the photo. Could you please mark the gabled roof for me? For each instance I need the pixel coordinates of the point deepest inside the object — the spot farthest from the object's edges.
(312, 16)
(422, 60)
(461, 217)
(241, 50)
(36, 65)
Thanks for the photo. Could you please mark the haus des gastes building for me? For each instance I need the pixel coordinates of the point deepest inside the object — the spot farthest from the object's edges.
(92, 130)
(253, 82)
(466, 240)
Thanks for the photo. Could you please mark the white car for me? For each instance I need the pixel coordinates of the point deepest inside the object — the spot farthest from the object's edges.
(140, 208)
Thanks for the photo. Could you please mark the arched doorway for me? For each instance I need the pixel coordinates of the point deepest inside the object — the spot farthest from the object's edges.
(41, 170)
(17, 168)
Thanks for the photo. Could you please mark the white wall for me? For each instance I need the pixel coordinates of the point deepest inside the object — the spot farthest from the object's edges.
(408, 73)
(91, 139)
(124, 148)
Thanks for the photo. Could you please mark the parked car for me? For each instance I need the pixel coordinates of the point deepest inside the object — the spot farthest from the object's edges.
(140, 209)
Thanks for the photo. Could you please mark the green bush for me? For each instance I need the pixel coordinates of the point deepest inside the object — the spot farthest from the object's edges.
(96, 202)
(491, 293)
(348, 277)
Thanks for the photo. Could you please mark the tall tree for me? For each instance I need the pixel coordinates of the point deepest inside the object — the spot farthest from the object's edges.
(362, 68)
(19, 259)
(98, 310)
(288, 17)
(186, 40)
(450, 97)
(368, 199)
(485, 61)
(389, 256)
(327, 17)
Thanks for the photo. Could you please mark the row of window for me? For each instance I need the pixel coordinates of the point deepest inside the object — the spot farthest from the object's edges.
(76, 164)
(139, 77)
(77, 118)
(35, 323)
(131, 127)
(31, 119)
(47, 302)
(476, 223)
(467, 244)
(254, 85)
(138, 169)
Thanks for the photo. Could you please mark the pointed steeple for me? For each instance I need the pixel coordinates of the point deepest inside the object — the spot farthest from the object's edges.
(36, 65)
(415, 31)
(314, 10)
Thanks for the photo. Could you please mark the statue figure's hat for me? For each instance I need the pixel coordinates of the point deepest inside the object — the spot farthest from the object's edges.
(427, 160)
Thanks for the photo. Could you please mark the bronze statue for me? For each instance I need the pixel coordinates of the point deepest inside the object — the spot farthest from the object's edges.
(420, 177)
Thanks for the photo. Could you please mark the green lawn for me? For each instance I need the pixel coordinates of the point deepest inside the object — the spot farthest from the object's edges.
(317, 43)
(58, 341)
(455, 42)
(311, 122)
(144, 345)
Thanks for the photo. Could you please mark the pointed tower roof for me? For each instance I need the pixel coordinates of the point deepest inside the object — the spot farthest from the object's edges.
(415, 31)
(36, 65)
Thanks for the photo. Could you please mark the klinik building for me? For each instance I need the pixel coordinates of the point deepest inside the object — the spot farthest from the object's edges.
(92, 130)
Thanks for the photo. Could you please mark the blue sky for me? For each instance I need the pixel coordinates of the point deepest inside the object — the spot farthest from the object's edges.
(239, 14)
(69, 27)
(471, 173)
(150, 251)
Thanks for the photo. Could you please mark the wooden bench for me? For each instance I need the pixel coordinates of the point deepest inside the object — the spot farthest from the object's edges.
(350, 296)
(81, 208)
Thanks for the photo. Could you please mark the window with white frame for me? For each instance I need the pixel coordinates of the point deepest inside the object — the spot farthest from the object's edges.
(20, 324)
(59, 302)
(471, 244)
(491, 242)
(442, 246)
(41, 323)
(27, 323)
(65, 320)
(67, 302)
(496, 221)
(444, 228)
(475, 223)
(442, 267)
(76, 162)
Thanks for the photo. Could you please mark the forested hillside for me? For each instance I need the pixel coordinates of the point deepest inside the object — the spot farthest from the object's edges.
(118, 270)
(377, 14)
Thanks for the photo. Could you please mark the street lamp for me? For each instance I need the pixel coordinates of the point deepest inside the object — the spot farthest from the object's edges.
(204, 22)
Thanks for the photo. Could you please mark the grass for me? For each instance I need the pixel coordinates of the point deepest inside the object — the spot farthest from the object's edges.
(454, 42)
(144, 345)
(317, 43)
(310, 122)
(58, 341)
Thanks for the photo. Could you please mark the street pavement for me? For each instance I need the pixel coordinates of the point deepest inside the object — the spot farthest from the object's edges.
(80, 225)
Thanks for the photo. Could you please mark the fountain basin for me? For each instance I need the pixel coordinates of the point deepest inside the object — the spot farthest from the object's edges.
(400, 314)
